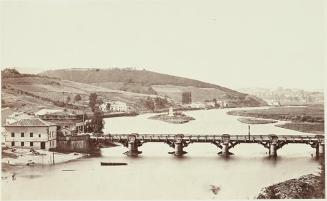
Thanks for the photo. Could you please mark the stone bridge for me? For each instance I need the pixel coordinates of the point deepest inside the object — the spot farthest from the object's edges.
(224, 142)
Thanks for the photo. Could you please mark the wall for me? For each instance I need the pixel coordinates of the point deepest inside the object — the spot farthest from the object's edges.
(77, 143)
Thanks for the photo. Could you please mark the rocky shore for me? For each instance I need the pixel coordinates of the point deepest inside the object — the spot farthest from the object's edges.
(177, 118)
(304, 187)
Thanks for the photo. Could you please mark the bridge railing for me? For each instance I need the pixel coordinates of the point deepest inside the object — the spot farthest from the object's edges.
(213, 137)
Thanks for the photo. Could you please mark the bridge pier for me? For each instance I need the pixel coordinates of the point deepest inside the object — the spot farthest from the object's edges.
(273, 150)
(320, 150)
(179, 146)
(225, 145)
(179, 149)
(273, 145)
(132, 146)
(225, 150)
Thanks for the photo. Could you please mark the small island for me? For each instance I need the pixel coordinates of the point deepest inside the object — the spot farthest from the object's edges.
(256, 121)
(173, 117)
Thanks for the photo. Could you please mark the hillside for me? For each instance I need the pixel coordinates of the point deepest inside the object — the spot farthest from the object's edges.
(29, 93)
(147, 82)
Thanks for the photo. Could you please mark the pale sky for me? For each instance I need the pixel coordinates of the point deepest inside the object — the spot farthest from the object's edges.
(233, 43)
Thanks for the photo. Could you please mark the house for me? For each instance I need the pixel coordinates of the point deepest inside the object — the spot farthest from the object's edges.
(171, 112)
(118, 106)
(105, 107)
(196, 105)
(114, 106)
(80, 127)
(31, 133)
(274, 103)
(47, 114)
(66, 132)
(210, 104)
(222, 103)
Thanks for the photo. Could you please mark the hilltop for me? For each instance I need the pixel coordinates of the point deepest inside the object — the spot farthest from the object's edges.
(147, 82)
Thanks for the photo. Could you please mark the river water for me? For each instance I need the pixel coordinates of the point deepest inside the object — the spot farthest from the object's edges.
(158, 175)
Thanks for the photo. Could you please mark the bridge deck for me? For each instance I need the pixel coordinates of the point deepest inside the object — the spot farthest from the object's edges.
(211, 138)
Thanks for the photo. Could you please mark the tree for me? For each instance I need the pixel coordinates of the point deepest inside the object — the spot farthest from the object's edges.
(97, 122)
(68, 99)
(77, 98)
(160, 102)
(149, 104)
(215, 102)
(100, 101)
(92, 101)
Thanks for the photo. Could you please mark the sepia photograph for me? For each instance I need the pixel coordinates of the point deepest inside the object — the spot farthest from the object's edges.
(162, 99)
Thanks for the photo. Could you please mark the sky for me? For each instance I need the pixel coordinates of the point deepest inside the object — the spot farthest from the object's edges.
(232, 43)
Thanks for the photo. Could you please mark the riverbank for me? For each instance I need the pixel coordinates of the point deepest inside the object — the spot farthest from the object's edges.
(22, 157)
(317, 128)
(304, 119)
(304, 187)
(177, 118)
(255, 121)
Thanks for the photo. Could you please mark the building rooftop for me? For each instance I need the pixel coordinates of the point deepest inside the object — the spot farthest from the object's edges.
(47, 111)
(31, 122)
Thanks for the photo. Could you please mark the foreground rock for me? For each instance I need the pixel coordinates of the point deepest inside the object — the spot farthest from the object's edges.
(177, 118)
(305, 187)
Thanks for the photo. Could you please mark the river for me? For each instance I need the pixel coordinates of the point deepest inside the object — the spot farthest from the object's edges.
(158, 175)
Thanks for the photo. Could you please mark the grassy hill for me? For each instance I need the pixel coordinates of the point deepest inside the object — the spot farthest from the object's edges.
(147, 82)
(29, 93)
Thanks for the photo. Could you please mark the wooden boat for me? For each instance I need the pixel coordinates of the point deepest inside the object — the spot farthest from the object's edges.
(111, 164)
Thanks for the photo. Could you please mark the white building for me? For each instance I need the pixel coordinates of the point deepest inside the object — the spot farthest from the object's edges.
(31, 133)
(114, 106)
(46, 111)
(222, 104)
(66, 132)
(171, 112)
(273, 103)
(196, 105)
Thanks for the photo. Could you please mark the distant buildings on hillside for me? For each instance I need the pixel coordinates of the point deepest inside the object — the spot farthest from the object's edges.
(284, 96)
(113, 106)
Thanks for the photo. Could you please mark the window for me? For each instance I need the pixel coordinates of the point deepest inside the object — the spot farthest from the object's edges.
(22, 135)
(31, 144)
(12, 134)
(13, 144)
(22, 144)
(39, 135)
(31, 134)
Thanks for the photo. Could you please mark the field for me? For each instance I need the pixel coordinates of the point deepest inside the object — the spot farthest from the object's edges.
(31, 93)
